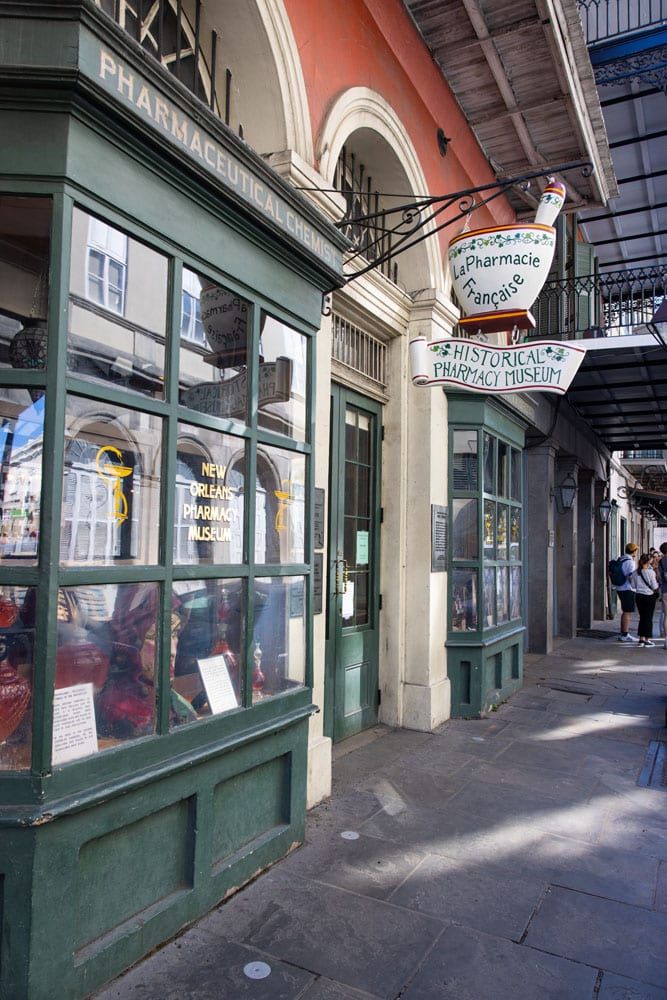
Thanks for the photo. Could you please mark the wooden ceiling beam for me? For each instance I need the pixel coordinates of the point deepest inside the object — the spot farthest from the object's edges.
(494, 62)
(526, 24)
(550, 103)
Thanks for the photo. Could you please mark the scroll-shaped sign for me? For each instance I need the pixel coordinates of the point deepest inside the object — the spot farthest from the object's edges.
(542, 366)
(498, 273)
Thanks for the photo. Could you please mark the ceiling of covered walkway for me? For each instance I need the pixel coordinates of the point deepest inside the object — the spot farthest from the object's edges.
(579, 96)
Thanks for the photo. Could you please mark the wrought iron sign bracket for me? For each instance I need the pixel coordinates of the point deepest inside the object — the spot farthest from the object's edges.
(378, 237)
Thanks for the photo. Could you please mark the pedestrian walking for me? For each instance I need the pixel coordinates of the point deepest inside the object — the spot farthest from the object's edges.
(626, 590)
(646, 595)
(662, 580)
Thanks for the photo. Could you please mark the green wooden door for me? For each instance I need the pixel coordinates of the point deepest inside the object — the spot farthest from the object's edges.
(351, 700)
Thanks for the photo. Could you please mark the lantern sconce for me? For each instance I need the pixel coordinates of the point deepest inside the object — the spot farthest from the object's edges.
(566, 493)
(604, 510)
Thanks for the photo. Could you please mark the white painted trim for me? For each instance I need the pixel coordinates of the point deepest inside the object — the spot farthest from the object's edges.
(360, 108)
(278, 29)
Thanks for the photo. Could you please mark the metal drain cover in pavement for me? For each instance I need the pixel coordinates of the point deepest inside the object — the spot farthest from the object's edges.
(654, 771)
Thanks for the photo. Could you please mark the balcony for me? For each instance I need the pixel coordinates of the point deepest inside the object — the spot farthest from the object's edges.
(604, 20)
(610, 304)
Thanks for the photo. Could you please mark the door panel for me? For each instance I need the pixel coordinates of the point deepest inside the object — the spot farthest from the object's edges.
(351, 693)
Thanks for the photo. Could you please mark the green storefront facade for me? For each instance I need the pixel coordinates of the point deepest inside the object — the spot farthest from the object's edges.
(160, 289)
(485, 637)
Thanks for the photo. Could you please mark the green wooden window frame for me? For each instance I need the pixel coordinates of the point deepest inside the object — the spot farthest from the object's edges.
(486, 511)
(48, 575)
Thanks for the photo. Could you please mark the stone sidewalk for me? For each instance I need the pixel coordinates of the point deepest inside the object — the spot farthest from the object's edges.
(510, 857)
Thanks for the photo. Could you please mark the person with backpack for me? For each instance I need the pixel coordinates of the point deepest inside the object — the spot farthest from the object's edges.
(621, 574)
(661, 574)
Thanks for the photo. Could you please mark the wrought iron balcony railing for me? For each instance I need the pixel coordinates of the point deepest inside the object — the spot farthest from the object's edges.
(181, 45)
(612, 304)
(606, 19)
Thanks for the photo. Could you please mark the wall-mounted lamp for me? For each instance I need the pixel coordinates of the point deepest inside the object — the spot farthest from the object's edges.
(658, 325)
(566, 492)
(604, 510)
(443, 142)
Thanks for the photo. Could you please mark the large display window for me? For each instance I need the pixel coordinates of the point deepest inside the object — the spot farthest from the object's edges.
(486, 531)
(166, 594)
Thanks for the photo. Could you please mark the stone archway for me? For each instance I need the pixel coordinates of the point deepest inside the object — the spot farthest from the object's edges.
(361, 119)
(268, 94)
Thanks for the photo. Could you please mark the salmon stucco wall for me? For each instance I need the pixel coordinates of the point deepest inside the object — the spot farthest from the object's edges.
(375, 44)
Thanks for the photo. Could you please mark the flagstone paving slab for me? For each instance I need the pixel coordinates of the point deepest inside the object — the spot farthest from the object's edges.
(489, 899)
(470, 965)
(563, 788)
(367, 866)
(326, 931)
(616, 937)
(619, 988)
(643, 830)
(544, 755)
(325, 989)
(661, 891)
(408, 783)
(191, 968)
(625, 876)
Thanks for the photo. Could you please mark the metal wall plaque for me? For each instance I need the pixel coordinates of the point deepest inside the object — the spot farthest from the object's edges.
(439, 525)
(318, 519)
(318, 572)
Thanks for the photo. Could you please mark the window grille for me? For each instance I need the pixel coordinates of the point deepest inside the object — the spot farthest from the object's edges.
(361, 198)
(359, 351)
(164, 30)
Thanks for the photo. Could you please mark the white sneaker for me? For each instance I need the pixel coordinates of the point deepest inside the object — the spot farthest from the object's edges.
(626, 638)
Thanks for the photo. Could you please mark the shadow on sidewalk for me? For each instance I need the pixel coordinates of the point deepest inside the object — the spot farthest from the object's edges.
(512, 856)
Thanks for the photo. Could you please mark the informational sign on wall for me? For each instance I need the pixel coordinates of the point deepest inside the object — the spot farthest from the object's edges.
(439, 527)
(74, 726)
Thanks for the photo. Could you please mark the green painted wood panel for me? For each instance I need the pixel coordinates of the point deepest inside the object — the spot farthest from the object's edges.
(145, 862)
(238, 822)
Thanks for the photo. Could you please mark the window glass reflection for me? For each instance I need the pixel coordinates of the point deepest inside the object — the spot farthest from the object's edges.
(489, 464)
(17, 644)
(279, 639)
(515, 534)
(515, 489)
(111, 485)
(464, 600)
(280, 507)
(503, 466)
(501, 533)
(215, 328)
(21, 437)
(489, 529)
(210, 496)
(282, 379)
(464, 460)
(105, 667)
(464, 529)
(25, 228)
(489, 596)
(515, 592)
(117, 309)
(208, 643)
(502, 595)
